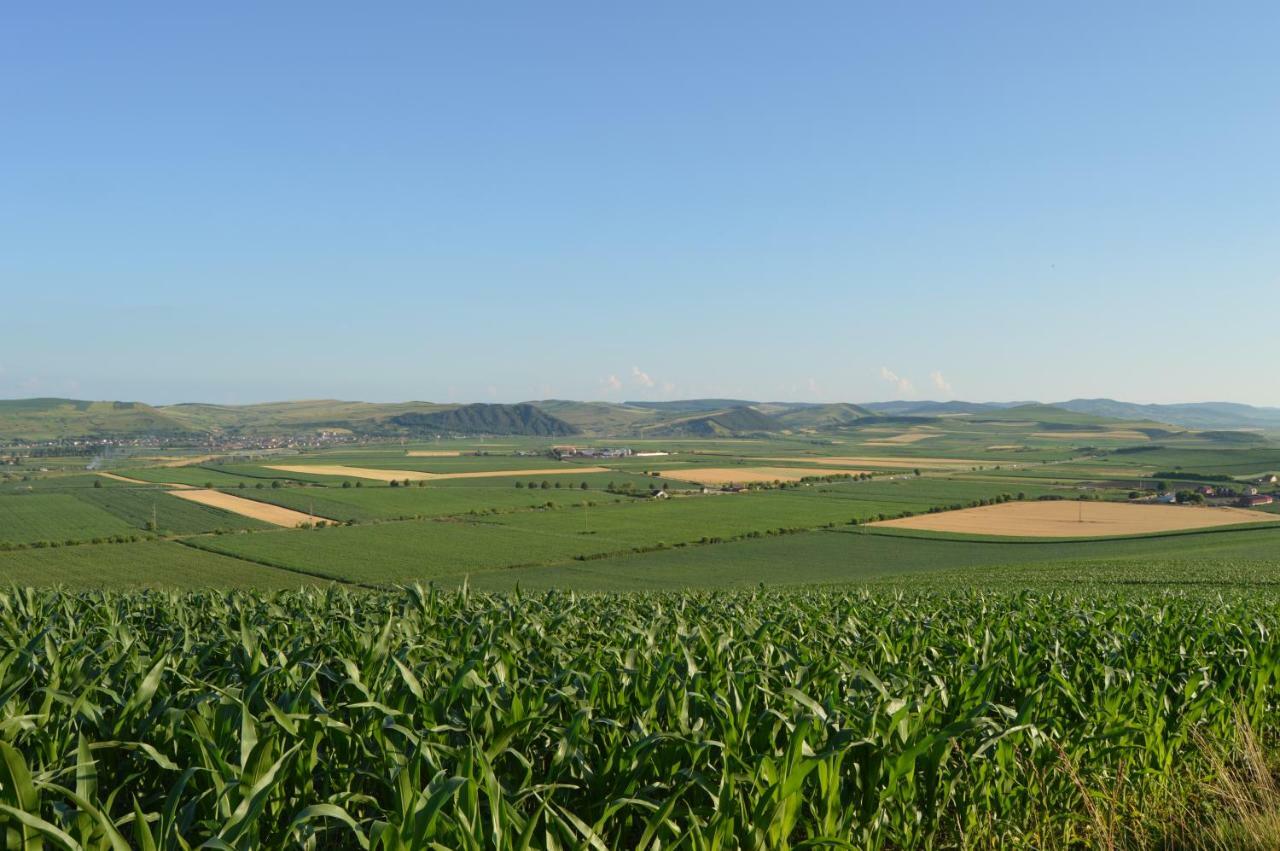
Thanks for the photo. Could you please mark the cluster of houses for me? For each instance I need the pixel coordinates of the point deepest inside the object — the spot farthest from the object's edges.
(590, 452)
(1246, 497)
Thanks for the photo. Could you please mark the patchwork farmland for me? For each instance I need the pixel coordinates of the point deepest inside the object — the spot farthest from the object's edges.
(681, 548)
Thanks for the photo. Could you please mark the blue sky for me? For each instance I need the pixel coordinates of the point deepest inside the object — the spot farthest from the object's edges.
(238, 202)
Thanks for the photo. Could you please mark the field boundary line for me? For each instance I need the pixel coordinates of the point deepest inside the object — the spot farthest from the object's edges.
(188, 542)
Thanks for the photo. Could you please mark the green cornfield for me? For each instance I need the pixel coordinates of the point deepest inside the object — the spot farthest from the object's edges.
(792, 719)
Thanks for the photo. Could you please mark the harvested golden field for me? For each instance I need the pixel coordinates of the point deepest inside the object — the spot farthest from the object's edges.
(120, 478)
(248, 507)
(747, 475)
(900, 439)
(1116, 434)
(354, 472)
(1077, 519)
(190, 460)
(549, 471)
(419, 476)
(888, 461)
(433, 453)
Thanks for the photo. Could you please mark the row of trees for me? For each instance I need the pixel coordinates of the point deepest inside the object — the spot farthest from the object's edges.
(546, 485)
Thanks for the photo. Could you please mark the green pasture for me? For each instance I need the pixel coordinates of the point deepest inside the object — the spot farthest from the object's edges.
(1230, 462)
(60, 517)
(1210, 561)
(155, 564)
(382, 502)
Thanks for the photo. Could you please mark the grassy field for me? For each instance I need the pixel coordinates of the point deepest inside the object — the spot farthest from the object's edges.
(503, 534)
(218, 477)
(146, 564)
(384, 503)
(1211, 461)
(68, 483)
(411, 550)
(1211, 560)
(57, 517)
(405, 551)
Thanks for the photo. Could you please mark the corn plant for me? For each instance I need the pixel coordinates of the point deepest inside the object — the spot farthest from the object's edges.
(791, 719)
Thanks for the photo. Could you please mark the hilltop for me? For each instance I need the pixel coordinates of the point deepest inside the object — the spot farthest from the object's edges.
(55, 419)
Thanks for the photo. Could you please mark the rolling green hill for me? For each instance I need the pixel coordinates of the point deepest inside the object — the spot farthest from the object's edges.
(727, 423)
(52, 419)
(1207, 415)
(306, 414)
(821, 416)
(487, 419)
(46, 419)
(598, 417)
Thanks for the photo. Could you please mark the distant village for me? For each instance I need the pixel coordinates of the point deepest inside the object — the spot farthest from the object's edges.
(563, 452)
(1245, 496)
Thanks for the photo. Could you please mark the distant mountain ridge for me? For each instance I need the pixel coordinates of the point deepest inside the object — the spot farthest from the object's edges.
(1223, 415)
(1197, 415)
(53, 418)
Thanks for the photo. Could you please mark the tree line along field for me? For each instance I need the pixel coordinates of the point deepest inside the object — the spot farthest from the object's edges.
(385, 503)
(799, 719)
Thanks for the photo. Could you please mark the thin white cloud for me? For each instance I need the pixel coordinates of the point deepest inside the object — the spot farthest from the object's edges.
(668, 388)
(812, 384)
(940, 382)
(642, 377)
(902, 385)
(613, 383)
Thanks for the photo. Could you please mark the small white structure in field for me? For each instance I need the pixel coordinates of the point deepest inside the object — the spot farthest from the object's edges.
(1167, 498)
